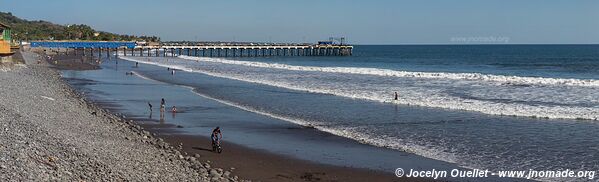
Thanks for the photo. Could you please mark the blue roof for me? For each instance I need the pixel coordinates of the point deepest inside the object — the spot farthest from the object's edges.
(129, 45)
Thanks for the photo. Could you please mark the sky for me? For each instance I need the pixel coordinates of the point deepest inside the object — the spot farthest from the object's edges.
(360, 22)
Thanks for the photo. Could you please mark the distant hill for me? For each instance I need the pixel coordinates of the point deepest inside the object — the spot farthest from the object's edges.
(42, 30)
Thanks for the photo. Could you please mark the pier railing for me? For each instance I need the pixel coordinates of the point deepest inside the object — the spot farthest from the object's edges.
(126, 49)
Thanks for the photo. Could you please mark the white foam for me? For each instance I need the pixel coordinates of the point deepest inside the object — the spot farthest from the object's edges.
(420, 96)
(396, 73)
(562, 94)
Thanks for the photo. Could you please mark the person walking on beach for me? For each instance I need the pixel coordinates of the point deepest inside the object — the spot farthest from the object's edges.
(396, 96)
(216, 136)
(150, 105)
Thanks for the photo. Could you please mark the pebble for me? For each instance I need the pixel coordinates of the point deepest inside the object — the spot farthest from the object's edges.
(101, 147)
(214, 173)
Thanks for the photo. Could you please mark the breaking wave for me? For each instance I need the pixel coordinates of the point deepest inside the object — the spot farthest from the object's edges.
(548, 98)
(517, 80)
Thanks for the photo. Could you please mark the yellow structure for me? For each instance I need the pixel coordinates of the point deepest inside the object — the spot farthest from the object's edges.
(5, 40)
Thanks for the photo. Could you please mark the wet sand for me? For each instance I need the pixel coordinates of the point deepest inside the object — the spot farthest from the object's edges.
(261, 165)
(70, 61)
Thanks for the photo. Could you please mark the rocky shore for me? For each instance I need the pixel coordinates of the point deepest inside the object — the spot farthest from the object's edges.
(49, 132)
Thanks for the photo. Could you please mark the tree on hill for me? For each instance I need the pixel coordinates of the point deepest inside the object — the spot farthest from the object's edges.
(42, 30)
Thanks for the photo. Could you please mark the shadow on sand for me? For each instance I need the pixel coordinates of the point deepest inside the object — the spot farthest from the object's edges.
(200, 148)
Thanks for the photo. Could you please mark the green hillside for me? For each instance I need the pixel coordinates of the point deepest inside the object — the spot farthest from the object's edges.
(42, 30)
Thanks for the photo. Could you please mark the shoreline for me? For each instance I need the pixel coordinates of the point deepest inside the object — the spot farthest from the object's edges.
(258, 165)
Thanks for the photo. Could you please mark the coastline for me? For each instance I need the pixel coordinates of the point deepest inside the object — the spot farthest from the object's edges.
(322, 91)
(238, 160)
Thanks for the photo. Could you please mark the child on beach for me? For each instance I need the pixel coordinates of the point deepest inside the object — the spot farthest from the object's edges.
(174, 109)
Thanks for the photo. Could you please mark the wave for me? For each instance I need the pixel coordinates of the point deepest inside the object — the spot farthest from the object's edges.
(353, 133)
(516, 80)
(363, 134)
(419, 97)
(179, 67)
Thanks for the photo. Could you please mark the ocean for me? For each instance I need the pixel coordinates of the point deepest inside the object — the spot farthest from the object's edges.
(496, 107)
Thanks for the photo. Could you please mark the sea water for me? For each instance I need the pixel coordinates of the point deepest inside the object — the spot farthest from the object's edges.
(496, 107)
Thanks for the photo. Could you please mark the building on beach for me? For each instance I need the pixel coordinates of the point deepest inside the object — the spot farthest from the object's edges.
(5, 40)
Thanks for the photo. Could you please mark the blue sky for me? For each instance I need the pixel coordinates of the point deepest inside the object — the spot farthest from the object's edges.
(362, 22)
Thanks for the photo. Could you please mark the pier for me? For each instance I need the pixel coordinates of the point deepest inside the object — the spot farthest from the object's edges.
(197, 50)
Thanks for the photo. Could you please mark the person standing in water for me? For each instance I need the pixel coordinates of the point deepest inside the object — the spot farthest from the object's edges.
(150, 105)
(162, 105)
(396, 96)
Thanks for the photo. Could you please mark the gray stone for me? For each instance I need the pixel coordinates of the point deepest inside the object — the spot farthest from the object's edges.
(214, 173)
(103, 147)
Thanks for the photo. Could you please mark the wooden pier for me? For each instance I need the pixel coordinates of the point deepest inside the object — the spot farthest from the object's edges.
(206, 50)
(239, 51)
